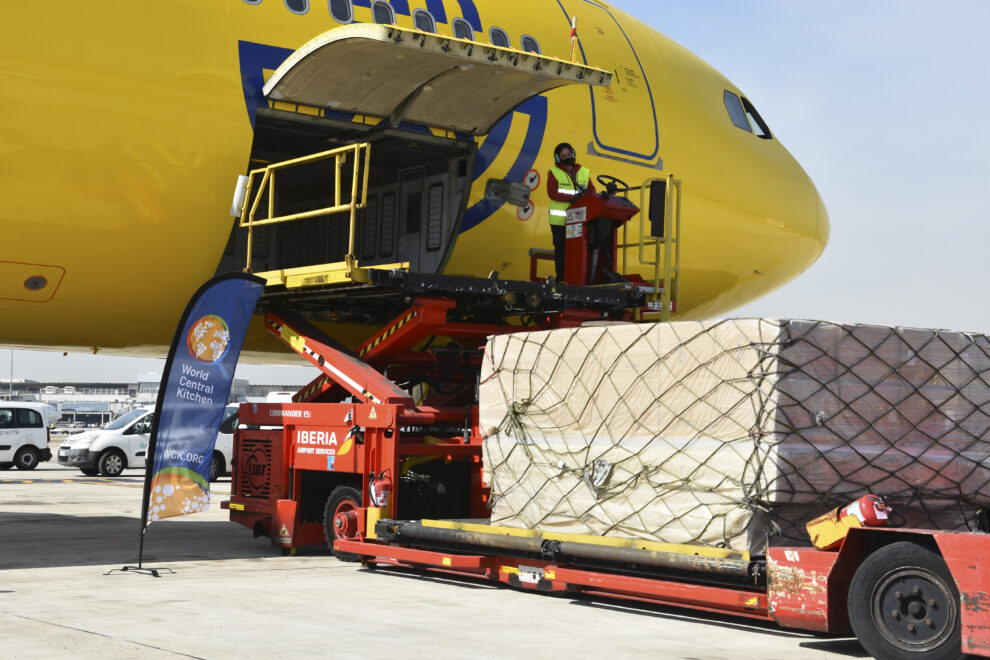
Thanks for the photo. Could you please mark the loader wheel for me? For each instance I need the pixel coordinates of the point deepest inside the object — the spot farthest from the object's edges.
(340, 519)
(903, 603)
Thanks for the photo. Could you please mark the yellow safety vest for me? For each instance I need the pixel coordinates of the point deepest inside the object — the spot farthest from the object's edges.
(558, 210)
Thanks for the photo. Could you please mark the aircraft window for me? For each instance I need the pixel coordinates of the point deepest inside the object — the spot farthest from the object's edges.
(736, 112)
(530, 44)
(434, 217)
(370, 225)
(424, 21)
(297, 6)
(463, 29)
(383, 13)
(499, 37)
(388, 225)
(759, 126)
(342, 10)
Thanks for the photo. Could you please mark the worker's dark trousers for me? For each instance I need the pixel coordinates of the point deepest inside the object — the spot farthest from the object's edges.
(559, 233)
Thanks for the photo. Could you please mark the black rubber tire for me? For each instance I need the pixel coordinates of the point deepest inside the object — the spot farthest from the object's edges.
(903, 603)
(341, 495)
(217, 467)
(89, 472)
(6, 466)
(111, 463)
(27, 458)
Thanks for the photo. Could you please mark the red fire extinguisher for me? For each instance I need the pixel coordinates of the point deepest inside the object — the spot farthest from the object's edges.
(869, 510)
(381, 490)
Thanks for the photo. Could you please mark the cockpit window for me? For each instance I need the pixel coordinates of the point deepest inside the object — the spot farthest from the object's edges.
(736, 112)
(744, 115)
(530, 44)
(759, 126)
(424, 21)
(342, 10)
(499, 37)
(297, 6)
(383, 13)
(463, 29)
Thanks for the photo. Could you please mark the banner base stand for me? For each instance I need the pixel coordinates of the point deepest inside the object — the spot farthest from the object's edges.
(140, 569)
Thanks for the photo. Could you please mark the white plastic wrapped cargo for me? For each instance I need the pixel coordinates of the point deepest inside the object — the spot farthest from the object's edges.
(720, 432)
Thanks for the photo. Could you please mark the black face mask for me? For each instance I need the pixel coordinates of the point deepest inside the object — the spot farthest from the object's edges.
(568, 161)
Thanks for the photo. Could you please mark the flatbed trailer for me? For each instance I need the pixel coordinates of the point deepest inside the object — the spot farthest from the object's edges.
(359, 461)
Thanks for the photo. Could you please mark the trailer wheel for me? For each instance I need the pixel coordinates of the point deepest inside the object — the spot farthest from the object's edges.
(340, 519)
(903, 603)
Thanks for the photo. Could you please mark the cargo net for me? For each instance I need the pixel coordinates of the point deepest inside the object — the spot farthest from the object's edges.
(734, 433)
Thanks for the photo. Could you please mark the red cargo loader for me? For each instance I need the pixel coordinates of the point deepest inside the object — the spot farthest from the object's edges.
(392, 483)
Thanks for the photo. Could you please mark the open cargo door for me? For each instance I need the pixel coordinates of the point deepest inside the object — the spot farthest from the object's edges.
(387, 86)
(406, 75)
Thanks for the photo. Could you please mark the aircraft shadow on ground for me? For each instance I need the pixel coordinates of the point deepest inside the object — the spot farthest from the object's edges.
(43, 540)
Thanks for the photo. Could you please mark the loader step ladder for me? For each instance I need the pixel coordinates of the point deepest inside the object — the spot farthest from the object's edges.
(657, 246)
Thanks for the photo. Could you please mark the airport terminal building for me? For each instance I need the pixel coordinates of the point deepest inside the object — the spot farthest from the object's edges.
(97, 402)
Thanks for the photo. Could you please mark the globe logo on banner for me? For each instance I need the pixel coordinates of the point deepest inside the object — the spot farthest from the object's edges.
(208, 339)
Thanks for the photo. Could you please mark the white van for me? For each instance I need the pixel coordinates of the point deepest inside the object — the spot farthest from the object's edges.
(24, 435)
(123, 443)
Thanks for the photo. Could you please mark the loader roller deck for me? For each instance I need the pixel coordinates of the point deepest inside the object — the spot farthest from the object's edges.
(387, 291)
(609, 552)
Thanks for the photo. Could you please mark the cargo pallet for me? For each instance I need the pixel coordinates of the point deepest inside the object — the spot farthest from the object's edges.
(357, 462)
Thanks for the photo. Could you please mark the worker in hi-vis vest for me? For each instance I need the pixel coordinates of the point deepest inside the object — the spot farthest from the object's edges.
(566, 181)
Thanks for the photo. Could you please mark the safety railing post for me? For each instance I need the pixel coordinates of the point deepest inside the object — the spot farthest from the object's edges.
(351, 258)
(667, 245)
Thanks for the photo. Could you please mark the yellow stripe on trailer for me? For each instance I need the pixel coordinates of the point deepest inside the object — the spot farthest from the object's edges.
(607, 541)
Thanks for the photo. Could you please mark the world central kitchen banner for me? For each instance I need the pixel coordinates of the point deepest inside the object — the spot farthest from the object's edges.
(191, 401)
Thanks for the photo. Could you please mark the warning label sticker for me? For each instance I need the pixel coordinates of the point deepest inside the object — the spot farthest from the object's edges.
(524, 213)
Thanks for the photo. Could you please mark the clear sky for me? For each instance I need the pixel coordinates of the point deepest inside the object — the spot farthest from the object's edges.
(886, 104)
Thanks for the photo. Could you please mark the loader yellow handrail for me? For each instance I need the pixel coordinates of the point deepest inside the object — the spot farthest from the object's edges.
(361, 154)
(666, 269)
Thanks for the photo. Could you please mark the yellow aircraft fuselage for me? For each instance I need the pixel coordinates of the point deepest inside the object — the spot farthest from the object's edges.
(125, 126)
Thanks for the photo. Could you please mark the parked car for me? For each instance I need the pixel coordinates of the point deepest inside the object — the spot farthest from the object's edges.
(223, 451)
(24, 435)
(122, 444)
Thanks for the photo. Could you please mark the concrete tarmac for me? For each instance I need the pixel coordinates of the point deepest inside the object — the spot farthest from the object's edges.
(234, 596)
